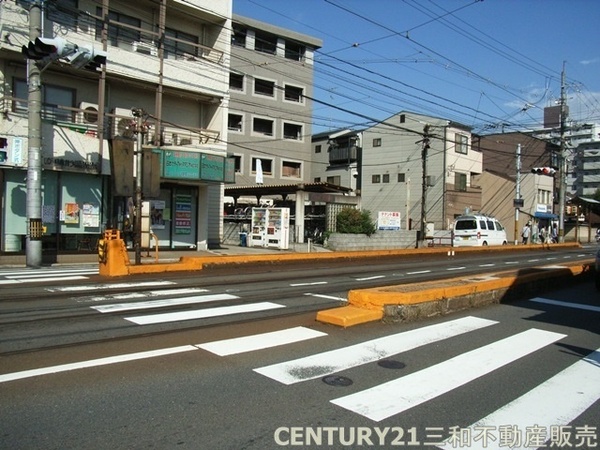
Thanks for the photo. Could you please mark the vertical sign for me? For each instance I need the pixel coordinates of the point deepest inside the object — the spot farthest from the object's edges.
(183, 214)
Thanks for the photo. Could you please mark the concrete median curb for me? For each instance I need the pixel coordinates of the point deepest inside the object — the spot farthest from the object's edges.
(418, 300)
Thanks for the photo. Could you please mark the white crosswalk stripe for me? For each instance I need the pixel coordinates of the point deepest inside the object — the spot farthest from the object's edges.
(396, 396)
(327, 363)
(45, 275)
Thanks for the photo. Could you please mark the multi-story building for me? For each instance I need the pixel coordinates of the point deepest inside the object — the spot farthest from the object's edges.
(270, 111)
(169, 59)
(421, 167)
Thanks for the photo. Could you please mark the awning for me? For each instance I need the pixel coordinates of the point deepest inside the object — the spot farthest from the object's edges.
(545, 215)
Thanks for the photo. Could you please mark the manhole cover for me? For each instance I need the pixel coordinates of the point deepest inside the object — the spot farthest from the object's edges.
(334, 380)
(391, 364)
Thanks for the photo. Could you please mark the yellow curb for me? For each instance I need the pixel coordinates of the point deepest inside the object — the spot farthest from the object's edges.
(348, 316)
(362, 302)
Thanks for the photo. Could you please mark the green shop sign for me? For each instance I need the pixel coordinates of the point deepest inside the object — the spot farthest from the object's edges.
(197, 166)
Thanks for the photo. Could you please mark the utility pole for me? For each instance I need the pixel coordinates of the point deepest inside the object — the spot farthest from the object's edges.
(33, 249)
(137, 224)
(563, 158)
(518, 200)
(424, 148)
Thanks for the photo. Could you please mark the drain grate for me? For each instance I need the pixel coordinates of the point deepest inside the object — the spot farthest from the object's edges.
(335, 380)
(391, 364)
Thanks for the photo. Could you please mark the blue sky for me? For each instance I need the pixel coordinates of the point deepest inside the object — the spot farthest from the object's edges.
(490, 65)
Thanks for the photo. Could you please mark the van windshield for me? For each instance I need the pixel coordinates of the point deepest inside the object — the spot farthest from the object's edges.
(466, 225)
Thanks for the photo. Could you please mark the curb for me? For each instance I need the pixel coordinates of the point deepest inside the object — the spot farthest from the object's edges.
(418, 300)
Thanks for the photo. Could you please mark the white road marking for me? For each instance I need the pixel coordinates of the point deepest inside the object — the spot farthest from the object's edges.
(487, 265)
(418, 272)
(329, 297)
(557, 401)
(396, 396)
(163, 303)
(314, 283)
(375, 277)
(456, 268)
(143, 294)
(547, 301)
(94, 363)
(203, 313)
(43, 280)
(260, 341)
(326, 363)
(97, 287)
(53, 274)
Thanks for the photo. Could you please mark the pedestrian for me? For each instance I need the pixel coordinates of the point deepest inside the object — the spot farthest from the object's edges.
(554, 234)
(543, 233)
(526, 233)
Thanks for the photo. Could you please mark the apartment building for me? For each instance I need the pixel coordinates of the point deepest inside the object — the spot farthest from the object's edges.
(168, 59)
(421, 167)
(270, 110)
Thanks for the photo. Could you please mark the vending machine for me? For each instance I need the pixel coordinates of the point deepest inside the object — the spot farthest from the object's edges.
(270, 228)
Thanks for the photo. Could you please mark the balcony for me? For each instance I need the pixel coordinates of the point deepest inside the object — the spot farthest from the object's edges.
(340, 155)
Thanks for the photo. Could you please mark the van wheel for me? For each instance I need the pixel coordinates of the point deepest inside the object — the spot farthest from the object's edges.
(505, 243)
(484, 243)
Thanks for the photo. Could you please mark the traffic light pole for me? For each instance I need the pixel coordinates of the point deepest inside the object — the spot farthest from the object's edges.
(33, 249)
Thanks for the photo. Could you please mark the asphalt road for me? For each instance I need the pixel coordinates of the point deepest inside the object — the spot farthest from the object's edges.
(50, 308)
(506, 371)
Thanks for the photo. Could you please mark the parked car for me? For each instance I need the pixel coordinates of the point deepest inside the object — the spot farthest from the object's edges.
(472, 230)
(597, 266)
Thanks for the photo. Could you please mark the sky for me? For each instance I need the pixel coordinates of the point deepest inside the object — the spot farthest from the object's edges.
(492, 65)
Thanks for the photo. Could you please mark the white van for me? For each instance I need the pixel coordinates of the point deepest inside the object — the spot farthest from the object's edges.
(474, 230)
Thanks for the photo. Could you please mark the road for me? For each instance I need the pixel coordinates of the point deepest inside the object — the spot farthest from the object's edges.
(526, 370)
(72, 305)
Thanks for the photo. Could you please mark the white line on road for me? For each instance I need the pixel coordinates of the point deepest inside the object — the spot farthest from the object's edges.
(163, 303)
(487, 265)
(396, 396)
(456, 268)
(260, 341)
(418, 272)
(375, 277)
(329, 297)
(557, 401)
(96, 287)
(143, 294)
(326, 363)
(203, 313)
(94, 363)
(547, 301)
(314, 283)
(43, 280)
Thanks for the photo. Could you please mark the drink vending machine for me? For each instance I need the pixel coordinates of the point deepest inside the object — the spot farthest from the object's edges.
(270, 228)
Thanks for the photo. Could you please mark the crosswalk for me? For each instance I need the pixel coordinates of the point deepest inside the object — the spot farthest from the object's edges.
(548, 408)
(46, 275)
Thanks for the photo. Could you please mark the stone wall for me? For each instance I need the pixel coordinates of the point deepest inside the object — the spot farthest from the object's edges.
(381, 240)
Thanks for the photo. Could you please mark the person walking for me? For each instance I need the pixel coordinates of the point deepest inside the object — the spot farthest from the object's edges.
(526, 233)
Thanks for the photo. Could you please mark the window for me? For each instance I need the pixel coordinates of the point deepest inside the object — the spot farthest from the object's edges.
(234, 122)
(292, 131)
(265, 164)
(293, 94)
(64, 13)
(461, 143)
(291, 169)
(262, 126)
(460, 182)
(402, 118)
(317, 179)
(386, 178)
(119, 36)
(265, 42)
(175, 48)
(52, 97)
(377, 142)
(336, 180)
(401, 177)
(238, 163)
(318, 148)
(238, 37)
(375, 179)
(294, 51)
(264, 87)
(236, 82)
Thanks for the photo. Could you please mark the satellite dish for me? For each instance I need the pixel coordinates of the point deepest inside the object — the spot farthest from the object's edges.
(125, 128)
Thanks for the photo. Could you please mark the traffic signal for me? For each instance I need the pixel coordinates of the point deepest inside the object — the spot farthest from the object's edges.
(544, 170)
(48, 49)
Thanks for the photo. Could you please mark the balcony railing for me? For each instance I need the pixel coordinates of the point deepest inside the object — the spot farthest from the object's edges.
(343, 154)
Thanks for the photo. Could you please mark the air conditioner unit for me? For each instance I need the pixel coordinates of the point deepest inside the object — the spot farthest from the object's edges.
(123, 123)
(145, 48)
(88, 115)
